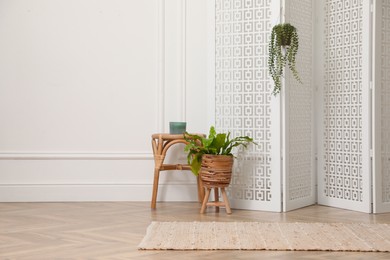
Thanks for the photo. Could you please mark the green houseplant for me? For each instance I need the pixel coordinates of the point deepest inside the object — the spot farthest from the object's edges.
(283, 48)
(214, 144)
(212, 159)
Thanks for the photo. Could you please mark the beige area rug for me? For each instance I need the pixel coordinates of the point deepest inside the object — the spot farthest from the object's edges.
(266, 236)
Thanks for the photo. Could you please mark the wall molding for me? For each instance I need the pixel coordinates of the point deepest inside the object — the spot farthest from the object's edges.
(211, 62)
(183, 72)
(76, 156)
(104, 192)
(161, 66)
(96, 184)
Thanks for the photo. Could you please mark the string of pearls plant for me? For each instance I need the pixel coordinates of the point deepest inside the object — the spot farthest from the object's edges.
(283, 48)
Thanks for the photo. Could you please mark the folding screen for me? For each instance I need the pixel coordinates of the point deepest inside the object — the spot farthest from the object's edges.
(344, 173)
(298, 113)
(381, 121)
(341, 111)
(244, 103)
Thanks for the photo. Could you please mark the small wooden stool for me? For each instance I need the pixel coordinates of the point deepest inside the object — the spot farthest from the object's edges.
(216, 203)
(160, 144)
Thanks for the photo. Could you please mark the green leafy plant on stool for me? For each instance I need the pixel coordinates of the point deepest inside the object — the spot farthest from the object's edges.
(283, 48)
(214, 144)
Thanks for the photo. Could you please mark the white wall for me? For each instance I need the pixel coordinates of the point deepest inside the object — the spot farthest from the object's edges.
(83, 85)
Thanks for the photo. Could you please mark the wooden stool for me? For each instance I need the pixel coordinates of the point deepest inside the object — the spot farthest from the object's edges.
(161, 143)
(216, 203)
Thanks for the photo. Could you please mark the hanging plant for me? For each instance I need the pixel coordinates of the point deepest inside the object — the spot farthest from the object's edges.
(283, 48)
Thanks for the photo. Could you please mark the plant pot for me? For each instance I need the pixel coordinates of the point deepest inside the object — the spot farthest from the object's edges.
(216, 170)
(285, 41)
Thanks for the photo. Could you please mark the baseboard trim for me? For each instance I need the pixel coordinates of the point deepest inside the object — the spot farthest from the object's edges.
(94, 192)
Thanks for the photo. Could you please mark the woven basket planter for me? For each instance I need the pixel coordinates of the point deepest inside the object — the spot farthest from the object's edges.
(216, 170)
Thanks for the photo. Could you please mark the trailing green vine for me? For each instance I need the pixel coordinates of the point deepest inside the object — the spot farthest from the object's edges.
(283, 48)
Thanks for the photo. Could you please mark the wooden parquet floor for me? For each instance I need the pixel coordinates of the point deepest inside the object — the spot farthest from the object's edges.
(112, 230)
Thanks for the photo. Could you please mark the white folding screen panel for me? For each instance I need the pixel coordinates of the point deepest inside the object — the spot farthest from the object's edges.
(344, 148)
(284, 126)
(244, 103)
(381, 120)
(299, 175)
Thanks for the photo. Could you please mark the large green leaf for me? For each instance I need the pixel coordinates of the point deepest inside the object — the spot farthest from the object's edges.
(196, 164)
(219, 142)
(207, 142)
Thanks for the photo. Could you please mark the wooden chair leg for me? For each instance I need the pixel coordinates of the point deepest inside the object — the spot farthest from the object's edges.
(226, 201)
(216, 198)
(205, 200)
(200, 189)
(155, 188)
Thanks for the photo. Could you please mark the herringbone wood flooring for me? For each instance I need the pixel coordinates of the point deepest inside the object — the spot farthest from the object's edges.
(112, 230)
